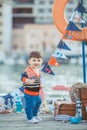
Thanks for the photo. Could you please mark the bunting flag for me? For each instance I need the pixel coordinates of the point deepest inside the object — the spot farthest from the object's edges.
(59, 54)
(80, 8)
(9, 99)
(77, 18)
(22, 89)
(62, 45)
(53, 61)
(47, 69)
(68, 35)
(72, 27)
(8, 96)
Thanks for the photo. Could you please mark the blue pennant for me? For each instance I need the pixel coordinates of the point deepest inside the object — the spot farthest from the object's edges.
(62, 45)
(59, 54)
(22, 89)
(72, 27)
(80, 8)
(8, 96)
(47, 69)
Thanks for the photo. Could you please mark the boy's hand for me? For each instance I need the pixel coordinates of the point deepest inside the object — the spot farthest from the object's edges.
(30, 81)
(41, 86)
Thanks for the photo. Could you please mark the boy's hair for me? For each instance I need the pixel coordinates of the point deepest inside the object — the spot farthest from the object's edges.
(35, 54)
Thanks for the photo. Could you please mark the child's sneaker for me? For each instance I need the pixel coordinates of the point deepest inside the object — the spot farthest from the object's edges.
(38, 118)
(33, 121)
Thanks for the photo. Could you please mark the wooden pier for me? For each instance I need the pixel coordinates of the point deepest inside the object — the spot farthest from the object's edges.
(18, 121)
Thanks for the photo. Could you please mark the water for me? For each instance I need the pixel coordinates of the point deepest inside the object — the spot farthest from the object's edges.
(67, 75)
(10, 76)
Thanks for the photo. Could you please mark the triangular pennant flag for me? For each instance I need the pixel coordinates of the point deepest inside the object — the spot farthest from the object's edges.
(62, 45)
(47, 69)
(59, 54)
(53, 61)
(22, 89)
(68, 35)
(8, 96)
(8, 99)
(77, 18)
(72, 27)
(80, 8)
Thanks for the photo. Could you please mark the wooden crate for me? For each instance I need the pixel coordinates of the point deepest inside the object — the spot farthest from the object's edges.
(84, 113)
(83, 94)
(83, 101)
(69, 109)
(64, 108)
(71, 112)
(83, 98)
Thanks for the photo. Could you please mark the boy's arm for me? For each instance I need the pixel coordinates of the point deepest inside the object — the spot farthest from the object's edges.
(25, 79)
(42, 81)
(41, 86)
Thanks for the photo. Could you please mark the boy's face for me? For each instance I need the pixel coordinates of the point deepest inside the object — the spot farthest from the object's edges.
(35, 62)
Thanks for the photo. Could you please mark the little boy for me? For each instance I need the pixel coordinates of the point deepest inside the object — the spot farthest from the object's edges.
(32, 85)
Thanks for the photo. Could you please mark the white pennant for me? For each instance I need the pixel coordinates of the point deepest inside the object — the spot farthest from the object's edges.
(59, 54)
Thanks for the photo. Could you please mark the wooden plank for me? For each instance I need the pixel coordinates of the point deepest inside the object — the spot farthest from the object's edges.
(83, 93)
(16, 121)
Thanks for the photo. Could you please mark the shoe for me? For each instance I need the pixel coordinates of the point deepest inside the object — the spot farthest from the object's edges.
(33, 121)
(38, 118)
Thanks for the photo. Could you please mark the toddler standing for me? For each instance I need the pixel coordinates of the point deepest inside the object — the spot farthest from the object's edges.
(32, 84)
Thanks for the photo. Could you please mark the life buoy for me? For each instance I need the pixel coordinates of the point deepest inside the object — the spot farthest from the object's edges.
(61, 22)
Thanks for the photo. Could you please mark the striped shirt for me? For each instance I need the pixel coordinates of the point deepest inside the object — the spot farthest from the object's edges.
(31, 89)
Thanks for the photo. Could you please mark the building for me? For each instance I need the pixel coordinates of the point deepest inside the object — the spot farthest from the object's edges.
(5, 25)
(33, 25)
(32, 11)
(37, 11)
(18, 14)
(43, 38)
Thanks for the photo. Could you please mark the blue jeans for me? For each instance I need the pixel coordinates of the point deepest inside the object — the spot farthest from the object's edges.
(32, 105)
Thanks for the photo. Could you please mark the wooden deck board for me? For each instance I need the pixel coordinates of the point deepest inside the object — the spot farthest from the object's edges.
(14, 121)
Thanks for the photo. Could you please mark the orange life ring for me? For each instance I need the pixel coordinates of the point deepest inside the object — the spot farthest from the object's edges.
(61, 22)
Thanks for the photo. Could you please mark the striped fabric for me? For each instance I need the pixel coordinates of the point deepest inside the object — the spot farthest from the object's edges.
(31, 89)
(30, 72)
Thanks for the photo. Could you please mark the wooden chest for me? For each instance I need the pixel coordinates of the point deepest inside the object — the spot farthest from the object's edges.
(84, 113)
(83, 98)
(83, 95)
(64, 108)
(70, 108)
